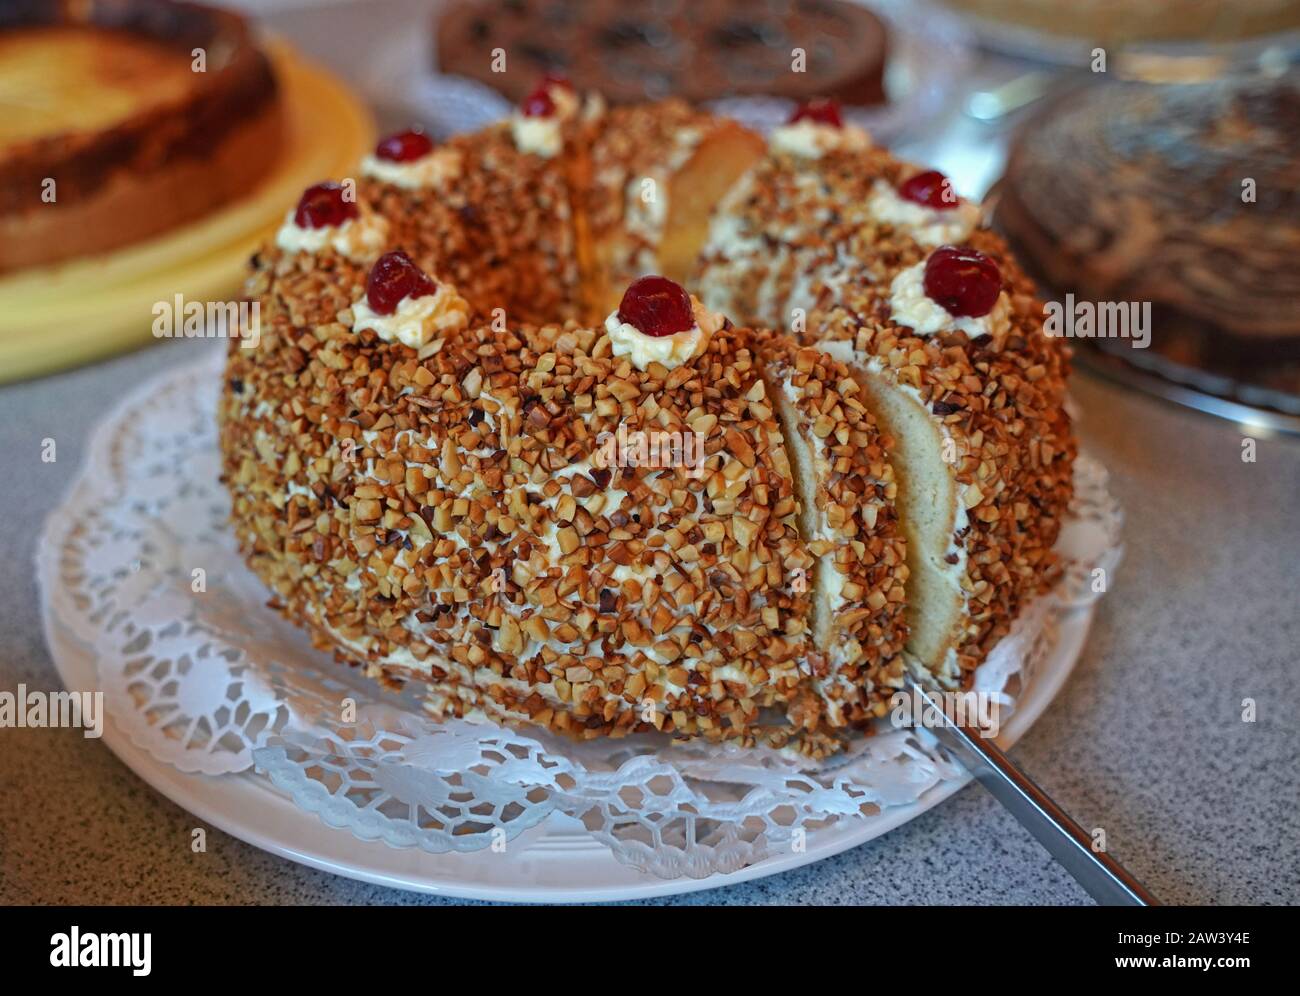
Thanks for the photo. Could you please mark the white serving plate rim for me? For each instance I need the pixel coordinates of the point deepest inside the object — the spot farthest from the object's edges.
(571, 868)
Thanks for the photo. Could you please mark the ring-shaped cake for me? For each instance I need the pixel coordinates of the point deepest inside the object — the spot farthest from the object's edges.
(485, 440)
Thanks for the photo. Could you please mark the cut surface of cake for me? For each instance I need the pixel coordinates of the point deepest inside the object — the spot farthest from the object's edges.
(656, 172)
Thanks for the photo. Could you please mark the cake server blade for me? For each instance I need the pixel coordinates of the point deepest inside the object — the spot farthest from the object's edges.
(1100, 875)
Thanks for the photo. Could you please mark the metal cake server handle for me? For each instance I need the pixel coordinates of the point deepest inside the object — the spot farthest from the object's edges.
(995, 103)
(1100, 875)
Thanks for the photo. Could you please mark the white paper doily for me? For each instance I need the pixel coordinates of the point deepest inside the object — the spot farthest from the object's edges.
(139, 567)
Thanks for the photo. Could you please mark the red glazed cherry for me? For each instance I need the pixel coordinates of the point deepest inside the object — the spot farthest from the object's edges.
(656, 306)
(930, 189)
(819, 110)
(324, 206)
(540, 103)
(967, 283)
(392, 278)
(404, 147)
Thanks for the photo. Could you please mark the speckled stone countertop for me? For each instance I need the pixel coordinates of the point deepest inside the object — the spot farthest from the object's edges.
(1146, 739)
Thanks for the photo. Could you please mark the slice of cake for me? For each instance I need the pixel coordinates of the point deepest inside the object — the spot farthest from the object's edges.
(956, 367)
(832, 240)
(823, 207)
(844, 477)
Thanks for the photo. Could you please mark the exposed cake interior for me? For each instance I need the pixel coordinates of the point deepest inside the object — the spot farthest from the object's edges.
(653, 216)
(806, 472)
(717, 164)
(927, 507)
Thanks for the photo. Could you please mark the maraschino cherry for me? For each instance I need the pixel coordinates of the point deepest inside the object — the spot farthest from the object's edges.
(929, 189)
(964, 281)
(657, 307)
(540, 103)
(404, 147)
(324, 206)
(819, 110)
(394, 277)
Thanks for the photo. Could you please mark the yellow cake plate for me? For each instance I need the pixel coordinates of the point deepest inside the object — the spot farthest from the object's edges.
(59, 316)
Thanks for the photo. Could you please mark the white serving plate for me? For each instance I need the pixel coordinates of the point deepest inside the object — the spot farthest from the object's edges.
(553, 863)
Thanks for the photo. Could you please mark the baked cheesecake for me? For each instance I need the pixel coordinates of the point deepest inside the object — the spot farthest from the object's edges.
(122, 120)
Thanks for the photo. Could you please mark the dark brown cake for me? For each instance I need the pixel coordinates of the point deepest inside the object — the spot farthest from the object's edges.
(1186, 197)
(694, 49)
